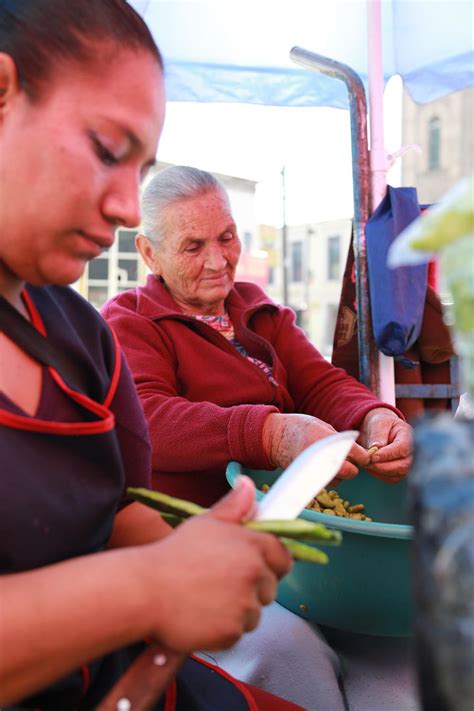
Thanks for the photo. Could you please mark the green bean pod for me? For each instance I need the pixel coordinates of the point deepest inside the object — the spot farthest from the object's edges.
(172, 519)
(298, 529)
(301, 552)
(174, 511)
(281, 529)
(298, 551)
(164, 503)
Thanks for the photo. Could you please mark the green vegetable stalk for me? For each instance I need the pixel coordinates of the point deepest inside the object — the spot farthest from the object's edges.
(164, 503)
(175, 511)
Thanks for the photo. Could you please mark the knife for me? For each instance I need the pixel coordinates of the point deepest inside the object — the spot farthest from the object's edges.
(310, 472)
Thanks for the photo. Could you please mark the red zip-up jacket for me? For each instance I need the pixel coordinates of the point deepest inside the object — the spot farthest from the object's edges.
(206, 403)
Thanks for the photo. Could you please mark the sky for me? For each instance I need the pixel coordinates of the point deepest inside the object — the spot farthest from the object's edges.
(255, 142)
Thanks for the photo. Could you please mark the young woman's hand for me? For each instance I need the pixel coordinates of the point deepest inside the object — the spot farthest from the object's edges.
(211, 576)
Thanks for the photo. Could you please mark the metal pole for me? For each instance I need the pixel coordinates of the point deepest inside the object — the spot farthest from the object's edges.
(361, 188)
(284, 238)
(378, 160)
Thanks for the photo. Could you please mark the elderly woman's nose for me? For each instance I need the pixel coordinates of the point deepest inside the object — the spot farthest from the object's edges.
(215, 257)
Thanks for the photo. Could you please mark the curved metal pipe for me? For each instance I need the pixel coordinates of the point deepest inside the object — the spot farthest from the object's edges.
(361, 191)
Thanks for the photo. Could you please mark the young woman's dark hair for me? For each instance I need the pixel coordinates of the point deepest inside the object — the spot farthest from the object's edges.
(40, 34)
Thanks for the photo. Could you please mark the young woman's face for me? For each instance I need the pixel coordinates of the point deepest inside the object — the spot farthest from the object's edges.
(71, 164)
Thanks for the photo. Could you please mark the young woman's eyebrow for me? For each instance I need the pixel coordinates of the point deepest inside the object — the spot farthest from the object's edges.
(135, 142)
(137, 145)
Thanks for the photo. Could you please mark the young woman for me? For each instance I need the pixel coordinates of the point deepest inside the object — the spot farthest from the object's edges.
(87, 574)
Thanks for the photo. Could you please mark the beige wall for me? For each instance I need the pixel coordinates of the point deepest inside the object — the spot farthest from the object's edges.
(456, 115)
(316, 295)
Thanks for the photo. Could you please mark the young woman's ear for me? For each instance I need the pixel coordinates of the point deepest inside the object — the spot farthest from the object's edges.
(148, 253)
(9, 85)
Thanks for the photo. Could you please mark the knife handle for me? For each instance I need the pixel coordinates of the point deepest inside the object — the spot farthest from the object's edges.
(144, 681)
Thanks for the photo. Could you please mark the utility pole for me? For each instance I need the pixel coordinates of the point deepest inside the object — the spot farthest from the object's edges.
(284, 240)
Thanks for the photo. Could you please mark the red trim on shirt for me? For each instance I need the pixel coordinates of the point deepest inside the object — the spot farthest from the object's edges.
(34, 314)
(170, 696)
(32, 424)
(235, 682)
(22, 422)
(37, 322)
(116, 374)
(86, 679)
(84, 400)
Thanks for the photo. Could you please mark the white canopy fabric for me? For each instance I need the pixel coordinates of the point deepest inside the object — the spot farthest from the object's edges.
(238, 50)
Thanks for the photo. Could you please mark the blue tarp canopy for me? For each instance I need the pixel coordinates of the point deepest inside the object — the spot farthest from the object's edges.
(238, 50)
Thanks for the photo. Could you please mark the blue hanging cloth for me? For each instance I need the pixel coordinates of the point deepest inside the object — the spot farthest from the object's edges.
(397, 296)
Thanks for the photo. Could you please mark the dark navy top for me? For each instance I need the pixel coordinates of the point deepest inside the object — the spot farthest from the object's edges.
(64, 472)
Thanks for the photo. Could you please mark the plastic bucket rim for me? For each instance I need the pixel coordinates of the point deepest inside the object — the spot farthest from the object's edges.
(365, 528)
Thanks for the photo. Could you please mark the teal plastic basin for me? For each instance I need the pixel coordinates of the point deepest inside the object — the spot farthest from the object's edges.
(366, 587)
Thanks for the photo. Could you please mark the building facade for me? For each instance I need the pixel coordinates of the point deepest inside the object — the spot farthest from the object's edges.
(316, 258)
(443, 129)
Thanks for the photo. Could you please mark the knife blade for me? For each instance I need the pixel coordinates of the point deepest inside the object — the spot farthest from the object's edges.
(310, 472)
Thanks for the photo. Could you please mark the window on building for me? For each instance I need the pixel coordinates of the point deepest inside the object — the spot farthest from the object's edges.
(297, 261)
(127, 259)
(334, 257)
(98, 274)
(126, 241)
(434, 143)
(99, 268)
(299, 317)
(115, 270)
(247, 241)
(127, 270)
(97, 295)
(330, 325)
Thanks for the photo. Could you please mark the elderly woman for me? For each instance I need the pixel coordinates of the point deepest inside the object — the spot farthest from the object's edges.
(224, 374)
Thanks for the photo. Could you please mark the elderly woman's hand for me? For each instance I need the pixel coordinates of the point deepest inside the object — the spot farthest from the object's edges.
(285, 436)
(383, 429)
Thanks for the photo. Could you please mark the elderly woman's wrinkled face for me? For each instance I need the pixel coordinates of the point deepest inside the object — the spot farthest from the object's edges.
(199, 254)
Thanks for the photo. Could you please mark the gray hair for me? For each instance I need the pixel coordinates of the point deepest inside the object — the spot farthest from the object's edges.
(168, 186)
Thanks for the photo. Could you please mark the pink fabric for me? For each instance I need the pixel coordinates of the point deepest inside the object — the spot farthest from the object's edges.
(205, 403)
(224, 325)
